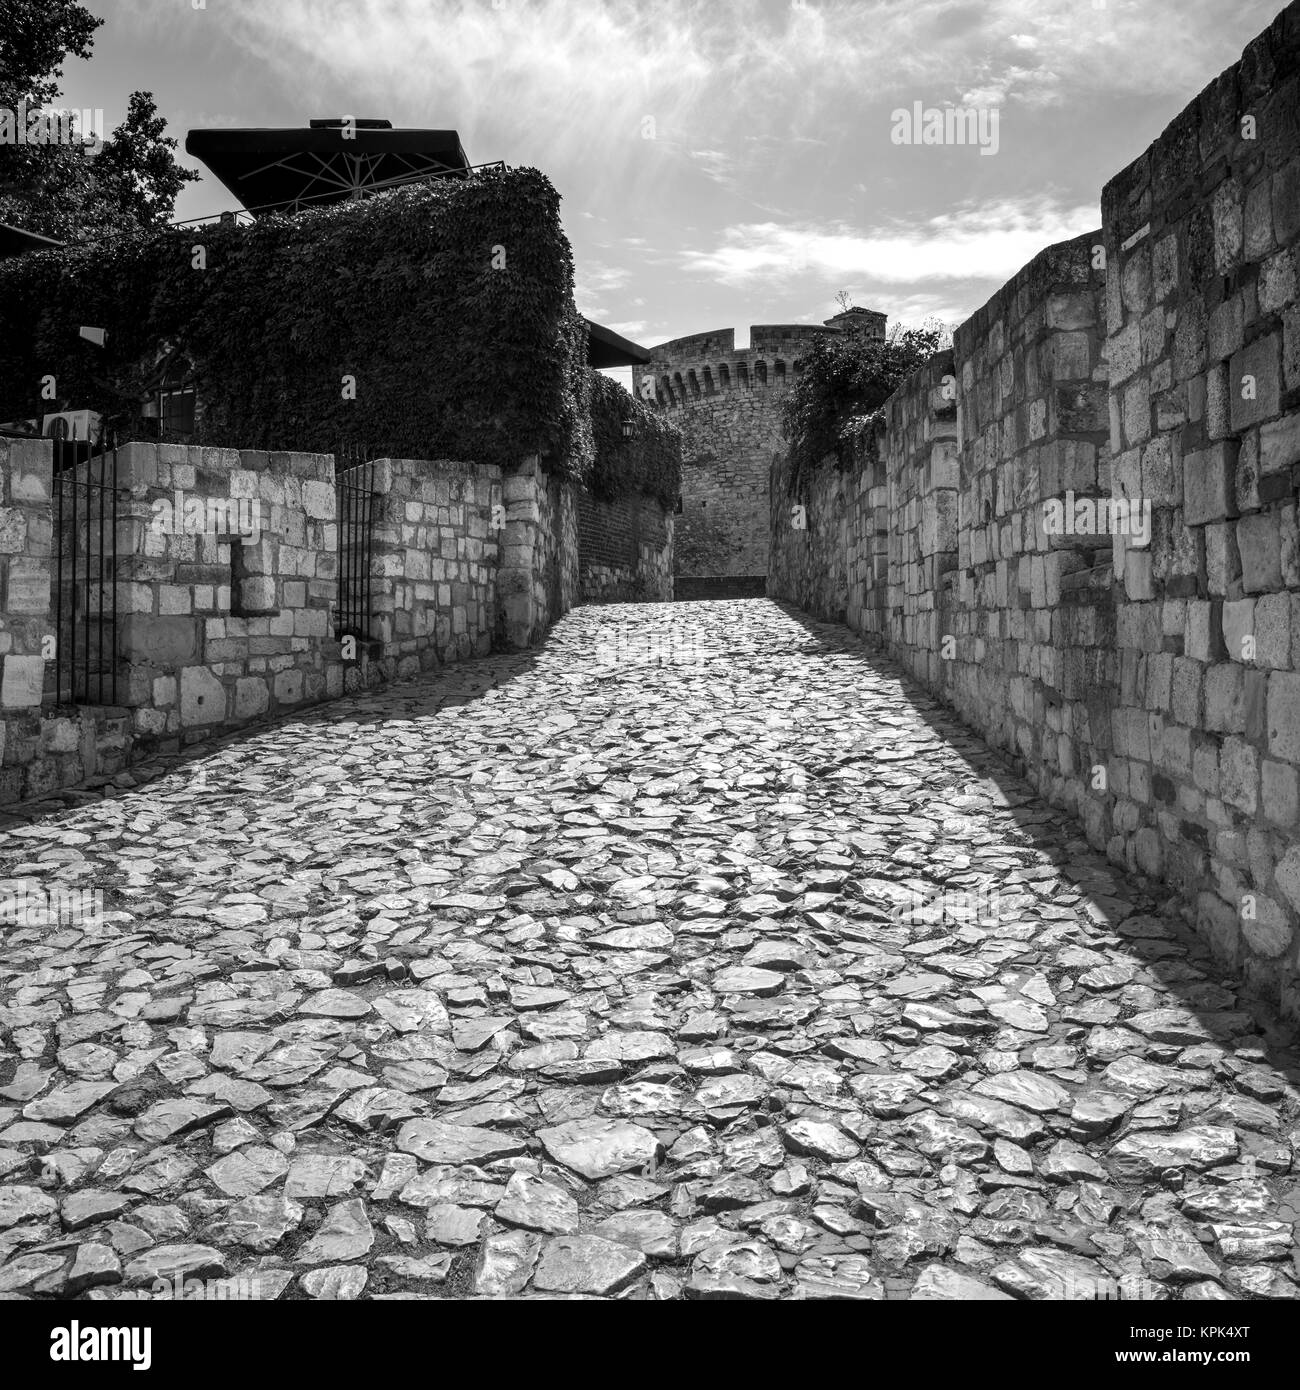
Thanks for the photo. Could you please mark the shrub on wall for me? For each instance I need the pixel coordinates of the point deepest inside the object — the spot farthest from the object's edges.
(650, 462)
(834, 407)
(445, 309)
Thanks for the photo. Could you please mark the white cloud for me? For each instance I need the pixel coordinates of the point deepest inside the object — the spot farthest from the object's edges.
(576, 75)
(989, 240)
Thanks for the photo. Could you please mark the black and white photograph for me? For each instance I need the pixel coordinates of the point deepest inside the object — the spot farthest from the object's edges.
(649, 652)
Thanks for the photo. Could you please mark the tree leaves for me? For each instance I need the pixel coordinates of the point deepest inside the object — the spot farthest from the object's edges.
(837, 398)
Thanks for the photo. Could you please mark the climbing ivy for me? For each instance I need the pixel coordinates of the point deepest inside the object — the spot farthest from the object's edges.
(650, 462)
(449, 304)
(835, 403)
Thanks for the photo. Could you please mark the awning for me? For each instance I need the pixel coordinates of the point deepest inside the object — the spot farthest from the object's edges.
(605, 348)
(326, 162)
(15, 240)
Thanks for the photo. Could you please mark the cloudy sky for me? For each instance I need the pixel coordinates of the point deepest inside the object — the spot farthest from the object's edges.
(722, 162)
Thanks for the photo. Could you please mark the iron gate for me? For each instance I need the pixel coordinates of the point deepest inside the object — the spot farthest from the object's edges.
(357, 509)
(85, 597)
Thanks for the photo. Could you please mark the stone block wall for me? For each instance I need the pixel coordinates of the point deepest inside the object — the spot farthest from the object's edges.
(39, 752)
(1202, 236)
(625, 549)
(227, 590)
(26, 537)
(727, 403)
(538, 577)
(1097, 563)
(1031, 658)
(436, 551)
(226, 585)
(919, 452)
(728, 448)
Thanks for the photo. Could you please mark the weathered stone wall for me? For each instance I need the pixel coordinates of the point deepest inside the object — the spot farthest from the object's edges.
(1203, 242)
(438, 542)
(625, 549)
(1031, 660)
(727, 403)
(227, 589)
(1097, 562)
(216, 630)
(814, 537)
(918, 449)
(538, 577)
(25, 549)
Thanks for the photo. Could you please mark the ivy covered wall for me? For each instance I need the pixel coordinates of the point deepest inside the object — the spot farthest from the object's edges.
(436, 321)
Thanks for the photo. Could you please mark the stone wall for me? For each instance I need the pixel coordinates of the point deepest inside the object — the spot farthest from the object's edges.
(25, 570)
(538, 577)
(438, 541)
(625, 549)
(727, 403)
(1203, 319)
(1031, 661)
(224, 610)
(228, 586)
(1094, 558)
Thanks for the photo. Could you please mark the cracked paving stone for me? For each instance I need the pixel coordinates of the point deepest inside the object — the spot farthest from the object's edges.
(345, 1234)
(335, 1282)
(505, 1263)
(537, 1205)
(1141, 1156)
(93, 1266)
(87, 1207)
(176, 1262)
(21, 1204)
(509, 983)
(839, 1277)
(247, 1171)
(435, 1141)
(587, 1264)
(260, 1222)
(171, 1118)
(599, 1148)
(816, 1140)
(323, 1175)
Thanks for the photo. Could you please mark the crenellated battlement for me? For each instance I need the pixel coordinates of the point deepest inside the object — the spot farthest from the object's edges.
(727, 402)
(701, 366)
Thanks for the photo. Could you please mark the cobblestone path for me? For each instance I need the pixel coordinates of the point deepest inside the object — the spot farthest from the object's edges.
(740, 975)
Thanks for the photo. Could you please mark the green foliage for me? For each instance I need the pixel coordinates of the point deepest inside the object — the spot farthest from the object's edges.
(837, 398)
(650, 462)
(453, 356)
(35, 37)
(69, 191)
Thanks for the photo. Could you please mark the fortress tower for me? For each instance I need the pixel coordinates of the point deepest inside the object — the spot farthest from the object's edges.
(727, 403)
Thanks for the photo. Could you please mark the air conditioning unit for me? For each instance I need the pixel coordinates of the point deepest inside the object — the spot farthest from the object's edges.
(72, 424)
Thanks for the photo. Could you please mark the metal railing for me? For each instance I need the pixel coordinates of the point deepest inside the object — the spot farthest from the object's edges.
(85, 594)
(246, 217)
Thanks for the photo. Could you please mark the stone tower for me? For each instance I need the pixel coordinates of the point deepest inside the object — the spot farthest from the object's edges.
(727, 403)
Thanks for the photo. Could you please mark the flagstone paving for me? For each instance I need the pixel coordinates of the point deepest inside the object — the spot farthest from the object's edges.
(746, 974)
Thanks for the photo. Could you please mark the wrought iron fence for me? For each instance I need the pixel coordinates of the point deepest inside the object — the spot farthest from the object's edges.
(85, 530)
(358, 507)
